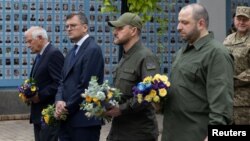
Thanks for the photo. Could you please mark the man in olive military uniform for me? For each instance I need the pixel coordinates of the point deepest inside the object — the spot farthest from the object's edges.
(201, 91)
(239, 45)
(132, 121)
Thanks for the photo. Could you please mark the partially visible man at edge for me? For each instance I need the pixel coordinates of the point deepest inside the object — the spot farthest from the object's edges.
(238, 44)
(201, 91)
(46, 71)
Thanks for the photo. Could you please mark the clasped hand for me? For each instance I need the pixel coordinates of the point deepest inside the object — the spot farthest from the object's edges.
(113, 112)
(60, 109)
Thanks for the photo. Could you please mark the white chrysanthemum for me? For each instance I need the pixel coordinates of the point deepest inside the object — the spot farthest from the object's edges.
(114, 103)
(84, 94)
(88, 114)
(88, 106)
(100, 95)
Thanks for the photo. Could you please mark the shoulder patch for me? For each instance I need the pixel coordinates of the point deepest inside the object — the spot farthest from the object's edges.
(150, 66)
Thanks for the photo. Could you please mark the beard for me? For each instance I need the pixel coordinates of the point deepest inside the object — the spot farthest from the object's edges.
(192, 36)
(121, 41)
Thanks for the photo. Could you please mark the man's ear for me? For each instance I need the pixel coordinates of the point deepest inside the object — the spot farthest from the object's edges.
(134, 31)
(201, 24)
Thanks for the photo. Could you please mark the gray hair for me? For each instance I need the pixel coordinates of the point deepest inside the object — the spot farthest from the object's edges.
(199, 12)
(37, 31)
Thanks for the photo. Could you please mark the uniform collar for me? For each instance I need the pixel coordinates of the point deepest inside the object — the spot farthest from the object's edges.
(201, 42)
(242, 39)
(133, 49)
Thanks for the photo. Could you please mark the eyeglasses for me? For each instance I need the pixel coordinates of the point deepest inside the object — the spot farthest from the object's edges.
(71, 26)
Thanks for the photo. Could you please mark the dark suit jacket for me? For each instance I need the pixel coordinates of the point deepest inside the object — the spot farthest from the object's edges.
(75, 79)
(47, 76)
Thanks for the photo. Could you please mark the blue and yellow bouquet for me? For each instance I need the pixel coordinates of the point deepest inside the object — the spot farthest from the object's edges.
(48, 116)
(99, 98)
(27, 90)
(151, 89)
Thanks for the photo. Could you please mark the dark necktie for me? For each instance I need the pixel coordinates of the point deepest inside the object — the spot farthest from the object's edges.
(73, 54)
(38, 56)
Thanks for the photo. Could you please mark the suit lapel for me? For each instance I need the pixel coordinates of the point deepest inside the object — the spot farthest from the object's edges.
(79, 53)
(34, 70)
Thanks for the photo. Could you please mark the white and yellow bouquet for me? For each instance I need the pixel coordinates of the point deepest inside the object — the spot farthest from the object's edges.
(99, 98)
(151, 89)
(27, 90)
(48, 116)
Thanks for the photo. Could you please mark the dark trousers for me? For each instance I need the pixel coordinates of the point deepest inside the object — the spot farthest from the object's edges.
(46, 133)
(69, 133)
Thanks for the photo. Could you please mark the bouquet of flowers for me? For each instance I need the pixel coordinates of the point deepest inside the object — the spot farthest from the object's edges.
(151, 89)
(99, 98)
(48, 116)
(27, 90)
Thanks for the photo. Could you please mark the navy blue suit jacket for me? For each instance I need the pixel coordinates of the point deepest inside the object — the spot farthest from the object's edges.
(47, 75)
(75, 79)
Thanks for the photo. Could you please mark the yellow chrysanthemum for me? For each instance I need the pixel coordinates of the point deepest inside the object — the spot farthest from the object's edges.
(33, 88)
(156, 99)
(147, 79)
(88, 99)
(22, 97)
(98, 103)
(162, 92)
(167, 84)
(139, 98)
(26, 81)
(152, 93)
(110, 95)
(148, 98)
(157, 77)
(46, 119)
(164, 78)
(95, 99)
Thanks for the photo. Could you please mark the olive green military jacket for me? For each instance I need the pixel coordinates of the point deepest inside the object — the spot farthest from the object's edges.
(201, 91)
(138, 121)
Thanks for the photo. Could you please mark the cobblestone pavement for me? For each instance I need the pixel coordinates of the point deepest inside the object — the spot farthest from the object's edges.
(21, 130)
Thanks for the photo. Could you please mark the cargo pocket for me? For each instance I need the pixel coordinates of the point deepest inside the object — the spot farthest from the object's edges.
(128, 79)
(189, 76)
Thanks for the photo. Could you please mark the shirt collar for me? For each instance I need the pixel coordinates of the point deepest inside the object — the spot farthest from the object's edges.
(41, 52)
(80, 42)
(201, 42)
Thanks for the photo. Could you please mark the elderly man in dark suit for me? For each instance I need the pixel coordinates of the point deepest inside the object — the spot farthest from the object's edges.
(84, 60)
(46, 71)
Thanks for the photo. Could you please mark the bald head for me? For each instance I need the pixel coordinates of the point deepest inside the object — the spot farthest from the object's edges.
(198, 12)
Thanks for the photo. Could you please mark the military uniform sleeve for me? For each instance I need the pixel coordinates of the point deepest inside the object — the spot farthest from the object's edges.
(150, 66)
(220, 88)
(243, 78)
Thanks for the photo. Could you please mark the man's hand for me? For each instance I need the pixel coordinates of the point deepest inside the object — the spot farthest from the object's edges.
(60, 109)
(35, 98)
(113, 112)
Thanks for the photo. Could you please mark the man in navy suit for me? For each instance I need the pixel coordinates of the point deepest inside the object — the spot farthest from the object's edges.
(46, 71)
(84, 60)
